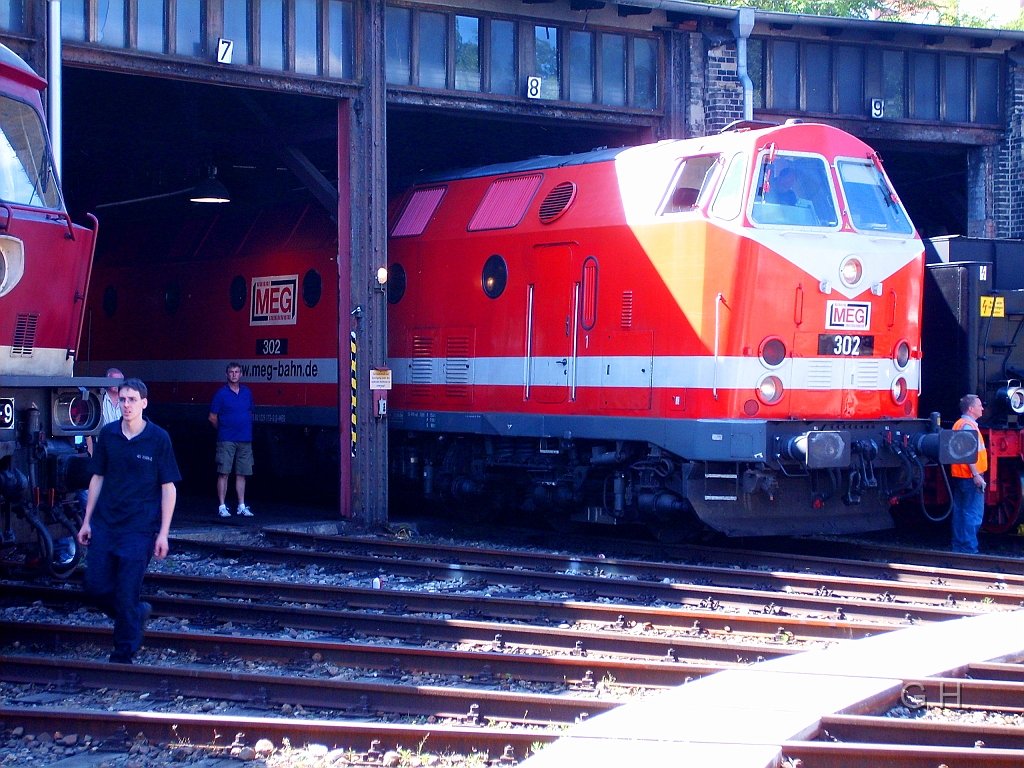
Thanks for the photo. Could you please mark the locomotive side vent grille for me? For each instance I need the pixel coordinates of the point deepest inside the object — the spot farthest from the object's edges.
(819, 374)
(627, 309)
(418, 211)
(505, 202)
(865, 375)
(24, 335)
(422, 365)
(557, 201)
(456, 367)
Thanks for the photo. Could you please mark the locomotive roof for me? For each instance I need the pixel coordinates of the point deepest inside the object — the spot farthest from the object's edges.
(538, 163)
(544, 162)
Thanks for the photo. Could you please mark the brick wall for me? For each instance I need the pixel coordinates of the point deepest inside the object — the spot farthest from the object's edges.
(1005, 182)
(723, 90)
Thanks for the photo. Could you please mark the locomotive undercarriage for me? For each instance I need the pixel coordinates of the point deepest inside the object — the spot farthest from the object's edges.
(813, 480)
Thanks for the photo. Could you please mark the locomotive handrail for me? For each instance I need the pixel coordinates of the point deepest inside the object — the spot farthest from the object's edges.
(719, 300)
(10, 216)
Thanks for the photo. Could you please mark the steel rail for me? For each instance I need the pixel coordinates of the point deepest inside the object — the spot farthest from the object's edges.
(996, 671)
(257, 690)
(883, 606)
(543, 612)
(730, 566)
(483, 667)
(818, 754)
(417, 630)
(895, 730)
(178, 728)
(995, 564)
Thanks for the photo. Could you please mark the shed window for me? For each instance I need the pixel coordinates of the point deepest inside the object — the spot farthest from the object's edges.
(188, 28)
(503, 57)
(272, 34)
(956, 79)
(850, 73)
(72, 19)
(236, 29)
(755, 69)
(505, 202)
(613, 70)
(433, 47)
(894, 83)
(926, 98)
(467, 53)
(818, 82)
(645, 73)
(151, 25)
(987, 91)
(340, 63)
(307, 35)
(784, 75)
(397, 42)
(545, 41)
(12, 15)
(581, 67)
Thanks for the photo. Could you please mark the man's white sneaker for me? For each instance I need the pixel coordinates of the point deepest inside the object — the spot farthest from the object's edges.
(244, 511)
(222, 510)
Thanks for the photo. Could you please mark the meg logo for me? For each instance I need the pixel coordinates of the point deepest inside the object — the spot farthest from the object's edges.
(848, 316)
(273, 300)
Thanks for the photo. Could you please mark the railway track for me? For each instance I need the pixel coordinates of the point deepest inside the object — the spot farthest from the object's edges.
(465, 639)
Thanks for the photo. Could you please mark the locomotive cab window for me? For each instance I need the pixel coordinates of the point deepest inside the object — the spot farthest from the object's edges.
(729, 199)
(870, 200)
(793, 190)
(26, 176)
(691, 182)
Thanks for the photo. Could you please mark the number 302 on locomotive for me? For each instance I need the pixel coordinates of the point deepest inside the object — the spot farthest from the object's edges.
(845, 345)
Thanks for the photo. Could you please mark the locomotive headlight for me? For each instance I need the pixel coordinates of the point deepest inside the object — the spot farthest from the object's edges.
(851, 271)
(899, 390)
(769, 390)
(12, 263)
(773, 352)
(1015, 397)
(901, 355)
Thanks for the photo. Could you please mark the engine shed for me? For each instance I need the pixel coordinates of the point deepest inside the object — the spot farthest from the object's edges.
(312, 113)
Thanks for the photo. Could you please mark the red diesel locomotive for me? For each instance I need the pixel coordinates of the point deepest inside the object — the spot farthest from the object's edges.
(724, 328)
(45, 261)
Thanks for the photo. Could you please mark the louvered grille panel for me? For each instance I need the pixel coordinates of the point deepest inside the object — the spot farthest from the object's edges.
(627, 309)
(505, 203)
(819, 374)
(422, 365)
(865, 375)
(24, 335)
(456, 367)
(418, 211)
(557, 201)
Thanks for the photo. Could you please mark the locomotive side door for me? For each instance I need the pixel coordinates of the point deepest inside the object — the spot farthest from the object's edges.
(550, 332)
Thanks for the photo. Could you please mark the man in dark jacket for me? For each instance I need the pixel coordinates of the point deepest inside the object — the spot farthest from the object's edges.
(128, 515)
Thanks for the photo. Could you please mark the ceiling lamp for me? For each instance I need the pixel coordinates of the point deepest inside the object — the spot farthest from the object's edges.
(209, 190)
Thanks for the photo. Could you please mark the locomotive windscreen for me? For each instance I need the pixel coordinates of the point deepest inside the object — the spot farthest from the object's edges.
(25, 173)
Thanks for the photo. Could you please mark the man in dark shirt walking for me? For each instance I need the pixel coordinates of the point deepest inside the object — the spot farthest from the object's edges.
(128, 515)
(231, 414)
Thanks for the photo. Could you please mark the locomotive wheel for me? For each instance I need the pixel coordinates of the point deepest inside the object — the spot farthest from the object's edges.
(1002, 517)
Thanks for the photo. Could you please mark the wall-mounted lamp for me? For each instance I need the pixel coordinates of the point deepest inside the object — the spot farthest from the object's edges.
(382, 278)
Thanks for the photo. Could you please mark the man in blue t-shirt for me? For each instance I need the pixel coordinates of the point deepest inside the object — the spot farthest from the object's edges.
(128, 515)
(231, 414)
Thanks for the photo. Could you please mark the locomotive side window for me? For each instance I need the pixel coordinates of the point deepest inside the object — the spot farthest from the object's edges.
(729, 199)
(692, 180)
(25, 174)
(396, 283)
(495, 276)
(793, 190)
(871, 202)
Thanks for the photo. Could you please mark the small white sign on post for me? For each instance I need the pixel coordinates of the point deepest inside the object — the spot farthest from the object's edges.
(225, 48)
(878, 108)
(533, 87)
(380, 378)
